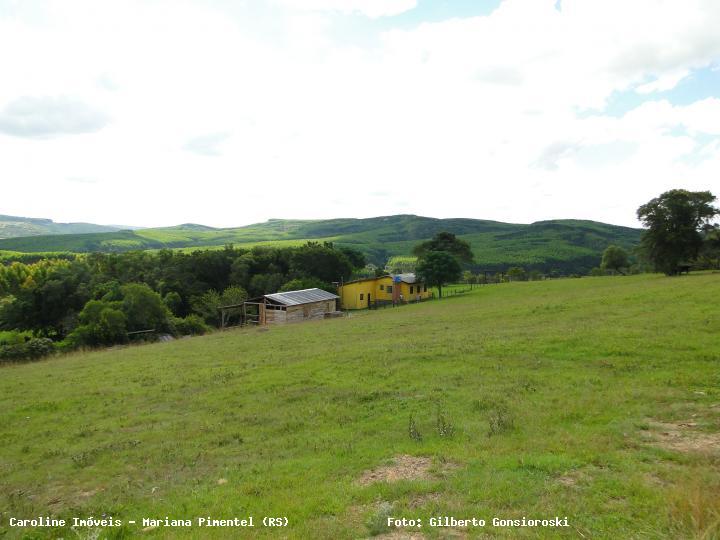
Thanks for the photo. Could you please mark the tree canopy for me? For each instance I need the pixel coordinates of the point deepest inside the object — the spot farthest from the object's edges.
(675, 223)
(100, 297)
(448, 243)
(615, 258)
(437, 268)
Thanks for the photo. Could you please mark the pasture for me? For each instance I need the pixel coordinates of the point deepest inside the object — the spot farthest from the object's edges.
(596, 398)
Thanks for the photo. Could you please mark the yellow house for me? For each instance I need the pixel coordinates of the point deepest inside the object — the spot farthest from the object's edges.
(391, 289)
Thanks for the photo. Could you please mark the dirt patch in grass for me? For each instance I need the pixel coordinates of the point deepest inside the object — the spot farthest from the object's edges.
(400, 535)
(402, 468)
(422, 500)
(568, 480)
(684, 437)
(572, 478)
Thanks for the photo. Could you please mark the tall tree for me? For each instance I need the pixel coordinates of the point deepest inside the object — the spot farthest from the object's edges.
(615, 258)
(449, 243)
(436, 268)
(674, 222)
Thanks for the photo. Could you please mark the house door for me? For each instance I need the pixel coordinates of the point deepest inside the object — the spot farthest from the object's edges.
(369, 305)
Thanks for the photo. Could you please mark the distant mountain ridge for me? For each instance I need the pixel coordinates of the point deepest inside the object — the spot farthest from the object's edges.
(16, 227)
(568, 246)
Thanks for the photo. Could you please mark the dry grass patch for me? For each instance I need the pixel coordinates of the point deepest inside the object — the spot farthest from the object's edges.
(695, 509)
(402, 468)
(422, 500)
(568, 480)
(400, 535)
(572, 478)
(684, 437)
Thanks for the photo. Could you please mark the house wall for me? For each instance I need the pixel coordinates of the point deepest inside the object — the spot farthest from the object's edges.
(411, 292)
(304, 312)
(355, 295)
(275, 316)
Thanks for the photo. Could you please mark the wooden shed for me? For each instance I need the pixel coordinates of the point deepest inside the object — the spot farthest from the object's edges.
(291, 306)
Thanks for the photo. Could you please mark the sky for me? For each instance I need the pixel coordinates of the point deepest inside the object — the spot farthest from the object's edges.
(230, 112)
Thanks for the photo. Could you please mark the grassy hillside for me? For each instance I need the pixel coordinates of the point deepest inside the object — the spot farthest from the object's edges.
(15, 226)
(595, 399)
(566, 245)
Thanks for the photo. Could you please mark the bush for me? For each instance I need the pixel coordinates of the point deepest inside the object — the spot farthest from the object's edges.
(192, 325)
(11, 337)
(31, 350)
(101, 323)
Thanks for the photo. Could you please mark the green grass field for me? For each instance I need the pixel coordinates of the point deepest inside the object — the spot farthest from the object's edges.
(596, 398)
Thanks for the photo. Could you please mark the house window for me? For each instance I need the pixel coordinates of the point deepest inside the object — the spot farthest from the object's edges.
(389, 289)
(361, 296)
(424, 288)
(411, 289)
(382, 287)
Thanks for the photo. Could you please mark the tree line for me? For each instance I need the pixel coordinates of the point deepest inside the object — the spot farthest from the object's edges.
(680, 234)
(101, 298)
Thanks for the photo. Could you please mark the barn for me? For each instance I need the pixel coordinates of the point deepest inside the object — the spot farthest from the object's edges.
(290, 306)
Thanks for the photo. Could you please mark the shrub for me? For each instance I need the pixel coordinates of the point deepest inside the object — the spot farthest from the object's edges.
(33, 349)
(144, 308)
(377, 523)
(39, 347)
(101, 323)
(192, 325)
(12, 337)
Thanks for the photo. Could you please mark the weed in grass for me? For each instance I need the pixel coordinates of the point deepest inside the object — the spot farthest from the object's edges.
(85, 431)
(90, 534)
(413, 430)
(526, 385)
(500, 420)
(377, 523)
(52, 453)
(444, 427)
(83, 459)
(482, 404)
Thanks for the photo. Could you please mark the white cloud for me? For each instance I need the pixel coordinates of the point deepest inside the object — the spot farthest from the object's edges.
(667, 81)
(49, 116)
(207, 145)
(369, 8)
(473, 117)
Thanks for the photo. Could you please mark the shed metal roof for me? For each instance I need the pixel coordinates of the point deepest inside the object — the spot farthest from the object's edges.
(406, 278)
(305, 296)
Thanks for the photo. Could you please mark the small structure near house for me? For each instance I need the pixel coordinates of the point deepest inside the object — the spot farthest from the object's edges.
(290, 306)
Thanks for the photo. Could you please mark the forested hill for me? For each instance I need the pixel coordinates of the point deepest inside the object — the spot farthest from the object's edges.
(563, 245)
(15, 226)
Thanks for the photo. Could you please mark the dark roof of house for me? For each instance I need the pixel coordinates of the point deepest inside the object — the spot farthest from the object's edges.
(305, 296)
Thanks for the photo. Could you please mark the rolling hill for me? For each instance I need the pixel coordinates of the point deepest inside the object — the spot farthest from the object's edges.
(563, 245)
(15, 226)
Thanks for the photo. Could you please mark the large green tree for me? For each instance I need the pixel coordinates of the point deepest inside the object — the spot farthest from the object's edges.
(321, 261)
(436, 268)
(675, 221)
(615, 258)
(448, 243)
